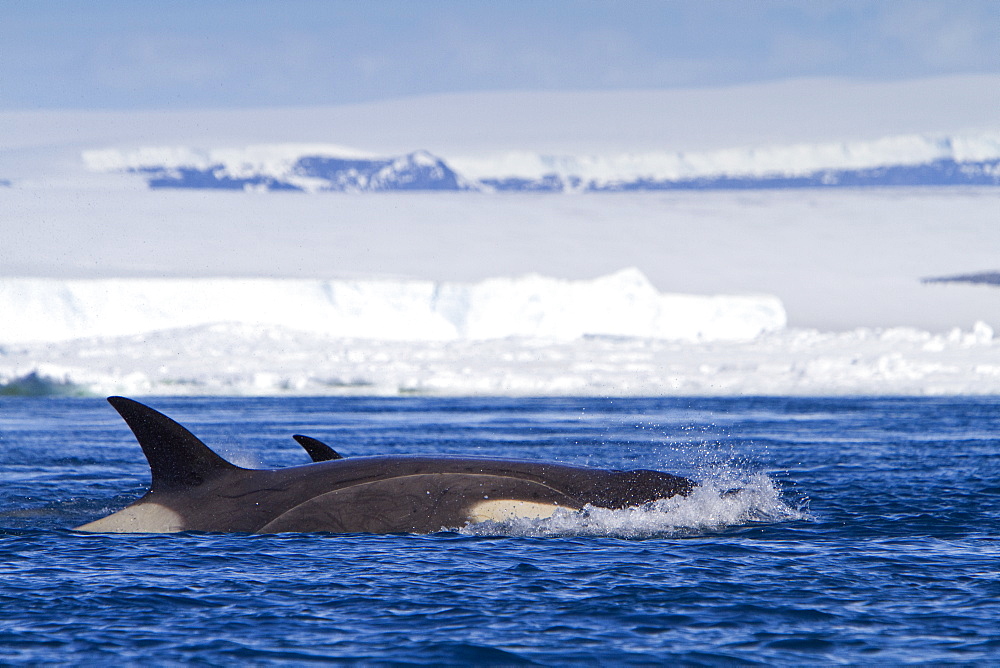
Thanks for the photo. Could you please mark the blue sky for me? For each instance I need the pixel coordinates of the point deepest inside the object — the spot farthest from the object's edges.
(229, 53)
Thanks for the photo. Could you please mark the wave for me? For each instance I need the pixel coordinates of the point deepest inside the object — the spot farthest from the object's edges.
(36, 383)
(712, 506)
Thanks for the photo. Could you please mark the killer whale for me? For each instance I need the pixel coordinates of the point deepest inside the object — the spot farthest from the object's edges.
(194, 489)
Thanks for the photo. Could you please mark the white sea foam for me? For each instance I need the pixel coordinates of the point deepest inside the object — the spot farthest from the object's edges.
(710, 506)
(621, 304)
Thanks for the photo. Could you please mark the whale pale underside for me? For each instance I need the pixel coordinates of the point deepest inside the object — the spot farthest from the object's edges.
(194, 489)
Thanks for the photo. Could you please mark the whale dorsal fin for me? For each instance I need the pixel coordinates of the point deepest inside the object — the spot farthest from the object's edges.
(317, 449)
(177, 458)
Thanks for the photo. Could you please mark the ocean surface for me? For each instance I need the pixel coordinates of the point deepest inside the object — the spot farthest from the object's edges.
(867, 530)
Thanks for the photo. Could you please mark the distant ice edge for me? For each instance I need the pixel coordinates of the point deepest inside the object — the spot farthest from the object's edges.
(253, 360)
(906, 160)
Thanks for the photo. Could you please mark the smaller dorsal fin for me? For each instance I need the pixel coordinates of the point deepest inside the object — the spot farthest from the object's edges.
(317, 449)
(177, 458)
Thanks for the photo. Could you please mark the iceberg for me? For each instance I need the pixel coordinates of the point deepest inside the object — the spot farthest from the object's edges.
(624, 304)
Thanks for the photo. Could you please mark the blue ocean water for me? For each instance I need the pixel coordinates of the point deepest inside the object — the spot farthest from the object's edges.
(868, 532)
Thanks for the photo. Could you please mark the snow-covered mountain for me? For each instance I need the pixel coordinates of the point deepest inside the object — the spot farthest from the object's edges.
(911, 160)
(305, 168)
